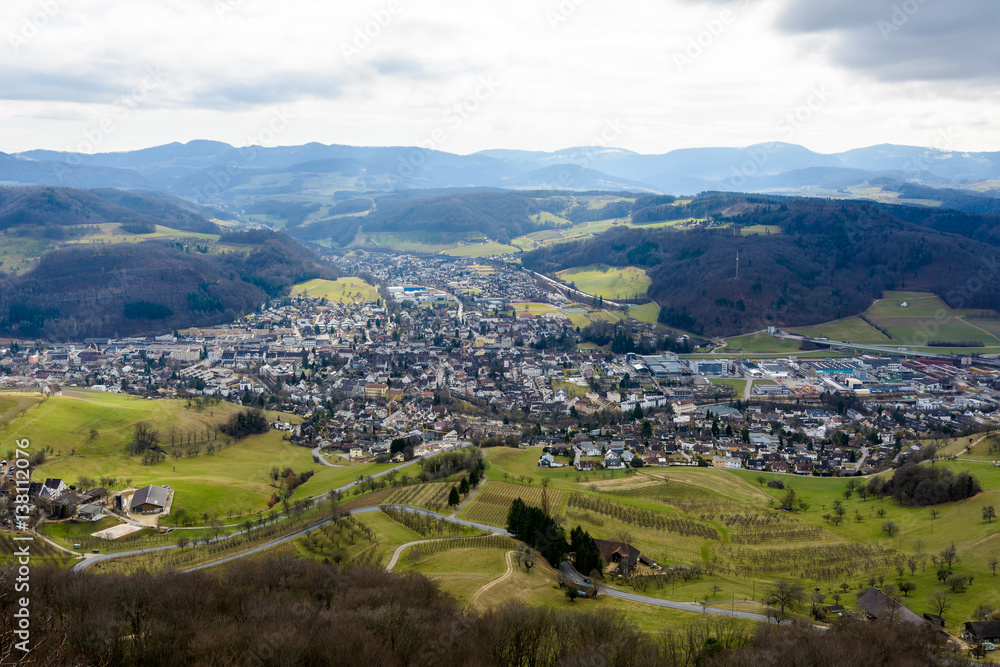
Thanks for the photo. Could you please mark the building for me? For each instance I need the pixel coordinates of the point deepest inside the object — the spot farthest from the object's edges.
(625, 555)
(876, 605)
(150, 499)
(983, 631)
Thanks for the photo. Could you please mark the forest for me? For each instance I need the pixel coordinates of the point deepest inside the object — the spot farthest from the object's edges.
(285, 611)
(156, 286)
(831, 260)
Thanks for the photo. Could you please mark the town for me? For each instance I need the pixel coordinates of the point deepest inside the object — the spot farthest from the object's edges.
(442, 350)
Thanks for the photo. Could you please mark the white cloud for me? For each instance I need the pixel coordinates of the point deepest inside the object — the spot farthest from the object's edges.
(563, 67)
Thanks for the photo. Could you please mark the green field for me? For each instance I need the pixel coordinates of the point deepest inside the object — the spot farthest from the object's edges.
(608, 282)
(343, 290)
(759, 342)
(440, 243)
(647, 312)
(231, 481)
(803, 545)
(760, 230)
(852, 329)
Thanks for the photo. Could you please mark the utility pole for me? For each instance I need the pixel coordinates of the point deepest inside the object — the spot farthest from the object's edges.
(737, 265)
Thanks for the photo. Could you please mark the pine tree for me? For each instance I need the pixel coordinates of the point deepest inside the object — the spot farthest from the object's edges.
(453, 498)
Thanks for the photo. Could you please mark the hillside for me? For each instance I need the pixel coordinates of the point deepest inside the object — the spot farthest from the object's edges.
(151, 287)
(65, 207)
(831, 259)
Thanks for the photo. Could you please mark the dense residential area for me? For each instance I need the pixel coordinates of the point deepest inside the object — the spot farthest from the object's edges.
(446, 348)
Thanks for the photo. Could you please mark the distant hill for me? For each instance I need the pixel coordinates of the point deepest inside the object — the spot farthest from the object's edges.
(47, 206)
(830, 259)
(218, 173)
(151, 287)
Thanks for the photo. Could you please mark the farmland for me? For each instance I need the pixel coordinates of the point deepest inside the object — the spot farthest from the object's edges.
(722, 524)
(491, 504)
(87, 435)
(914, 319)
(432, 496)
(608, 282)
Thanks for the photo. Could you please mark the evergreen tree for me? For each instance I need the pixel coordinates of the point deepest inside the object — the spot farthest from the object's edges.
(453, 498)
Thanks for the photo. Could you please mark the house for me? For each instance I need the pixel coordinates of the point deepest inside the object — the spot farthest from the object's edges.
(546, 461)
(52, 390)
(983, 631)
(875, 605)
(622, 553)
(585, 465)
(90, 512)
(53, 488)
(149, 499)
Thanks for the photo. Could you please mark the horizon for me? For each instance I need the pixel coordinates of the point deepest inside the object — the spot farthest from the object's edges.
(591, 147)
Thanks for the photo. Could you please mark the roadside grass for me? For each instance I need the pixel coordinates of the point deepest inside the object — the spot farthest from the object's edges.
(759, 342)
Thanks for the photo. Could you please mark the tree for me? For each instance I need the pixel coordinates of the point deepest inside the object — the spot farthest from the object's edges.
(989, 513)
(761, 480)
(586, 555)
(907, 587)
(992, 564)
(453, 498)
(940, 601)
(183, 540)
(949, 556)
(572, 593)
(890, 528)
(785, 596)
(526, 557)
(463, 486)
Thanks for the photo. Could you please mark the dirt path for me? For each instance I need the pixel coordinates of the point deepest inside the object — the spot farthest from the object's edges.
(469, 497)
(474, 600)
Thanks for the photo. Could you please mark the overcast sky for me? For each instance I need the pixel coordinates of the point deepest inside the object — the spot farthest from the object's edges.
(465, 75)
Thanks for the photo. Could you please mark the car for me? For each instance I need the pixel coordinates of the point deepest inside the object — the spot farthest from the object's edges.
(95, 551)
(989, 646)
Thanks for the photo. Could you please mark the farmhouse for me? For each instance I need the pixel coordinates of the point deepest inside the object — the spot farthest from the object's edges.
(983, 631)
(876, 605)
(149, 499)
(625, 555)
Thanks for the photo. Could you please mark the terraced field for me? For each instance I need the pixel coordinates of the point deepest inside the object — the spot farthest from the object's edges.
(432, 496)
(491, 504)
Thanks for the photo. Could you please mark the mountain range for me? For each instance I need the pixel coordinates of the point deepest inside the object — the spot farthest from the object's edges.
(211, 171)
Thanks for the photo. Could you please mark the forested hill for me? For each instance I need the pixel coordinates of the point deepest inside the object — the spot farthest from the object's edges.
(152, 287)
(501, 216)
(61, 207)
(819, 260)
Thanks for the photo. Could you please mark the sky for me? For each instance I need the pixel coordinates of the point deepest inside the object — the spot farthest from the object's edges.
(467, 75)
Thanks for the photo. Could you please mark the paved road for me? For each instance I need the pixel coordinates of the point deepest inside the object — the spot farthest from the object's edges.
(399, 551)
(96, 558)
(683, 606)
(322, 459)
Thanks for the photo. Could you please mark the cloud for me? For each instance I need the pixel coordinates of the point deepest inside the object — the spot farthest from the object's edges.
(902, 41)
